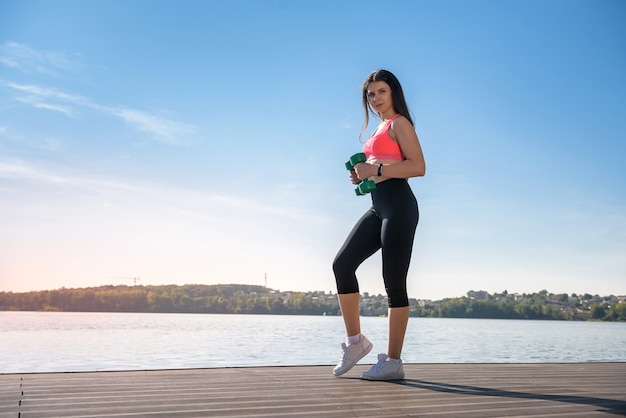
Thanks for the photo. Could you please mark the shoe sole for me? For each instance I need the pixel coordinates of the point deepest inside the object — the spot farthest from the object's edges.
(364, 353)
(390, 379)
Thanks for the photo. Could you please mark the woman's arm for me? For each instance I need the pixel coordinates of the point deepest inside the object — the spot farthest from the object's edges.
(414, 165)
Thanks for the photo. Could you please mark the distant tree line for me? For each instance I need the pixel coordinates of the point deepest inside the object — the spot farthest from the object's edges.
(220, 299)
(541, 305)
(466, 308)
(250, 299)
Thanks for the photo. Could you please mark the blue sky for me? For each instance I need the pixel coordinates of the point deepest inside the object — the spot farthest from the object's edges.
(203, 142)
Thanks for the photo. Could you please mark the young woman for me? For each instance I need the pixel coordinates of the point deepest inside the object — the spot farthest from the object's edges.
(393, 155)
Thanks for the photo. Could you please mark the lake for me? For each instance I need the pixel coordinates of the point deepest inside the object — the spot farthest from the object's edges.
(71, 342)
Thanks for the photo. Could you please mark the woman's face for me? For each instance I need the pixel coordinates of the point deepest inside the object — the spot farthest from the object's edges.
(379, 96)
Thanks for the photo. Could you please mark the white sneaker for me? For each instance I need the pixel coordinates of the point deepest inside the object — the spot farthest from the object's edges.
(384, 370)
(351, 354)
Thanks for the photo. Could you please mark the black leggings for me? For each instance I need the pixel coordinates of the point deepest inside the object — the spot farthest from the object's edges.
(389, 224)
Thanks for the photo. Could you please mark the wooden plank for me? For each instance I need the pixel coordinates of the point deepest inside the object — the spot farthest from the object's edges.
(430, 390)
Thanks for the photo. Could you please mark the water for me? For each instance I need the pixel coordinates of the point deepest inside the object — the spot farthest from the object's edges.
(71, 342)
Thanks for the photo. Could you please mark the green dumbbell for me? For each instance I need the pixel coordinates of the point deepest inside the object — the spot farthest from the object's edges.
(365, 186)
(359, 157)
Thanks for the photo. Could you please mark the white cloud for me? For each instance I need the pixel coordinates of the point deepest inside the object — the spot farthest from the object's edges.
(162, 196)
(8, 62)
(167, 131)
(18, 170)
(161, 129)
(28, 60)
(35, 102)
(51, 93)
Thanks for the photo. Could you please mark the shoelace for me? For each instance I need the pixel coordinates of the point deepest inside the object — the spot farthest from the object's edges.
(344, 351)
(382, 358)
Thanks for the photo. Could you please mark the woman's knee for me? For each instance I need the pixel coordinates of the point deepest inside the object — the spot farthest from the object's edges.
(340, 266)
(397, 298)
(345, 276)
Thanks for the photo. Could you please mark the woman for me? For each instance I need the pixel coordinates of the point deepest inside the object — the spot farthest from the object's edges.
(393, 155)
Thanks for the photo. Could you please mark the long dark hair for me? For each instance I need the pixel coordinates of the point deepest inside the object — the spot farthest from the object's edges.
(397, 96)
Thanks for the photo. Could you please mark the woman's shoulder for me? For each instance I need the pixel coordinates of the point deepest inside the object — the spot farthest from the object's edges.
(400, 123)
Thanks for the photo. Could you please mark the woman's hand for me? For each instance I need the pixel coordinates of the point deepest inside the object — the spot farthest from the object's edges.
(365, 170)
(353, 177)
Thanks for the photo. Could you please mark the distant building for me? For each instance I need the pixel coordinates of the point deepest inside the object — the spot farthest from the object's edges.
(481, 295)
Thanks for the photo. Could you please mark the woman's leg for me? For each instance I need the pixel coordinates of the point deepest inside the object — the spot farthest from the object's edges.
(389, 366)
(398, 320)
(361, 243)
(399, 213)
(396, 258)
(397, 235)
(349, 303)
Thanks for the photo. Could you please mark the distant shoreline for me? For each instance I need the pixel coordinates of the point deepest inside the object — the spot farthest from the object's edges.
(251, 299)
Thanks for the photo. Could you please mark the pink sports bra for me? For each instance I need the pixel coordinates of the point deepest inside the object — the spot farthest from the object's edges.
(381, 147)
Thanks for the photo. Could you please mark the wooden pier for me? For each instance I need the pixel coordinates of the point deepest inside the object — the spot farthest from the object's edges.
(429, 390)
